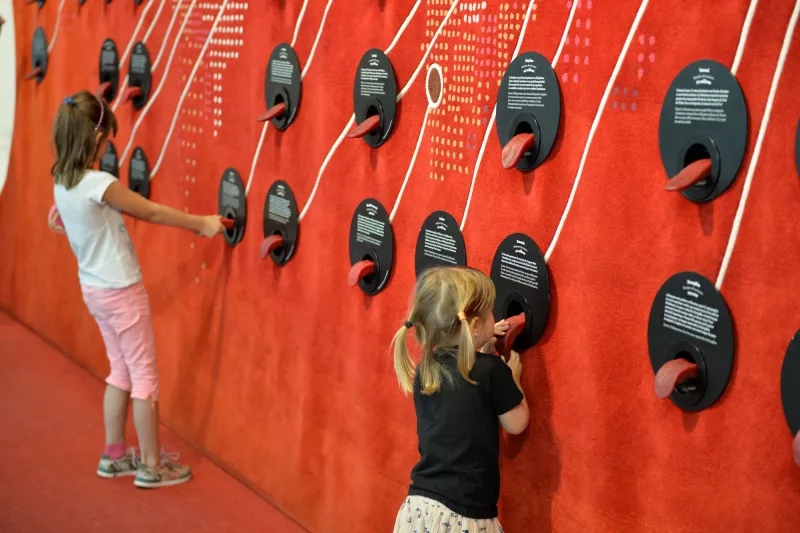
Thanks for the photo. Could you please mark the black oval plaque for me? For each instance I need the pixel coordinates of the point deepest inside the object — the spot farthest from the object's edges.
(139, 173)
(704, 116)
(520, 276)
(375, 93)
(109, 68)
(39, 52)
(797, 148)
(529, 101)
(109, 162)
(439, 243)
(689, 319)
(282, 84)
(372, 239)
(139, 74)
(790, 384)
(232, 203)
(280, 218)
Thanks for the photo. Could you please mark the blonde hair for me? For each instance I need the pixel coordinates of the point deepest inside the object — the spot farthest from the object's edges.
(80, 117)
(444, 301)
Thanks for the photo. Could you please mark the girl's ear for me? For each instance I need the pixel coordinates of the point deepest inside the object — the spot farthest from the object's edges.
(475, 325)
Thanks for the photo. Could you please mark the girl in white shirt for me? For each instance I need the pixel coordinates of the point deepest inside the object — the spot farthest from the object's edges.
(90, 204)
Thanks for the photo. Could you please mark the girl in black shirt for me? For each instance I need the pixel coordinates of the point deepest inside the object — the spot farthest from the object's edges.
(462, 397)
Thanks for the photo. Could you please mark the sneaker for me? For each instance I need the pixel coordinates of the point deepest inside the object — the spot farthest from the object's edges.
(110, 468)
(169, 472)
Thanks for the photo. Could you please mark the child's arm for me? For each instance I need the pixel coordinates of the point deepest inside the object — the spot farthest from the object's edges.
(515, 421)
(127, 201)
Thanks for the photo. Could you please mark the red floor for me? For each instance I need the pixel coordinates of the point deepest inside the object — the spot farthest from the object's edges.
(51, 420)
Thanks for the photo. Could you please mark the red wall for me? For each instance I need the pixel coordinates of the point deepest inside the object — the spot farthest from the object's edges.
(283, 374)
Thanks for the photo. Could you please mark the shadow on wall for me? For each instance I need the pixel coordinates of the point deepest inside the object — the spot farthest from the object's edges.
(543, 458)
(196, 337)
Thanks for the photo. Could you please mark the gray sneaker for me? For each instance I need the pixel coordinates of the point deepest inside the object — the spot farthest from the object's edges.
(169, 472)
(109, 468)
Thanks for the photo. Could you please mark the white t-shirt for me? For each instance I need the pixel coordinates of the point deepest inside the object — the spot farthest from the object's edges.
(97, 233)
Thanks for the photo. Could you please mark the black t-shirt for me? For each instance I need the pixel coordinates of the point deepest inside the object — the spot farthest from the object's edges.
(459, 436)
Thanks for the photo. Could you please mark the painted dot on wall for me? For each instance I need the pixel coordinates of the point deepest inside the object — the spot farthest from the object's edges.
(633, 106)
(578, 23)
(577, 59)
(575, 78)
(614, 104)
(586, 60)
(586, 41)
(566, 58)
(652, 40)
(577, 40)
(652, 57)
(565, 77)
(641, 39)
(641, 57)
(624, 106)
(588, 23)
(640, 73)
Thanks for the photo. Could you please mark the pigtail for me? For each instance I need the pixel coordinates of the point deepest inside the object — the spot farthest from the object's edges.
(466, 349)
(403, 365)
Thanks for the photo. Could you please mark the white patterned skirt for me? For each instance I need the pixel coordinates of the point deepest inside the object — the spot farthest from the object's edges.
(423, 515)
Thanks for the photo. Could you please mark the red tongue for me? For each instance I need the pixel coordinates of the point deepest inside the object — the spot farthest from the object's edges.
(673, 374)
(131, 93)
(370, 124)
(691, 175)
(516, 324)
(32, 74)
(102, 89)
(270, 244)
(359, 271)
(516, 147)
(229, 223)
(272, 112)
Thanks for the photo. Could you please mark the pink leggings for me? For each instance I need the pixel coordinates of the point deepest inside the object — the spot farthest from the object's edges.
(127, 327)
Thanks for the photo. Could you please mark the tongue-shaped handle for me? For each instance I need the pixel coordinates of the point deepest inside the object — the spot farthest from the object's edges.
(516, 324)
(359, 271)
(369, 125)
(796, 449)
(269, 245)
(54, 221)
(691, 175)
(516, 147)
(673, 374)
(131, 93)
(272, 112)
(102, 89)
(229, 223)
(32, 74)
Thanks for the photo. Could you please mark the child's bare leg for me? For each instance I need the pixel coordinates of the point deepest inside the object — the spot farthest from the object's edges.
(145, 417)
(115, 414)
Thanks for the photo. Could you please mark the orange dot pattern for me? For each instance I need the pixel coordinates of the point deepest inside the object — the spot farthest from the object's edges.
(473, 50)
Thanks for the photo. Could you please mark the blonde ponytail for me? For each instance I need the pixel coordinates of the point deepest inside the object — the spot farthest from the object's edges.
(403, 365)
(466, 349)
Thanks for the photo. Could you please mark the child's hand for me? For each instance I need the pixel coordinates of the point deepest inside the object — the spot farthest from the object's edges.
(501, 327)
(211, 226)
(515, 365)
